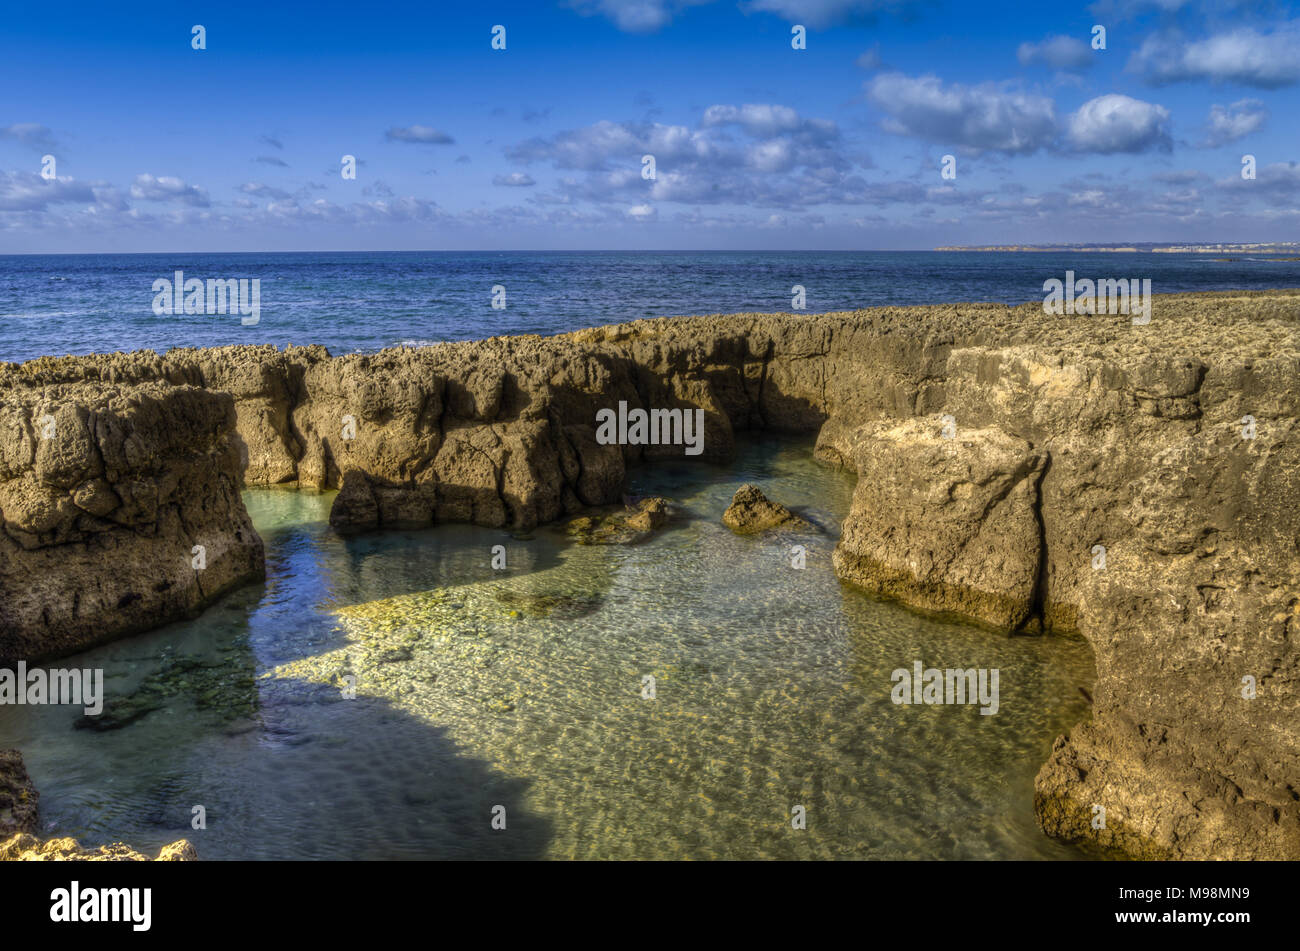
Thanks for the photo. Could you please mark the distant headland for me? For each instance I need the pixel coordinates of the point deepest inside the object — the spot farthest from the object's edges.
(1278, 247)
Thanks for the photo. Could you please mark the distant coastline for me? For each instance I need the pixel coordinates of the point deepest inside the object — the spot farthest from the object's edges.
(1282, 247)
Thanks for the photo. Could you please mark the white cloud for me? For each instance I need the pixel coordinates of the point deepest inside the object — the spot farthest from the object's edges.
(1245, 56)
(818, 14)
(1230, 123)
(987, 117)
(514, 180)
(635, 16)
(1115, 123)
(1059, 52)
(168, 188)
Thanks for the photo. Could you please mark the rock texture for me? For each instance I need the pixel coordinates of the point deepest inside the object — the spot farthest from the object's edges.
(750, 512)
(28, 848)
(18, 797)
(1134, 484)
(946, 522)
(105, 491)
(633, 523)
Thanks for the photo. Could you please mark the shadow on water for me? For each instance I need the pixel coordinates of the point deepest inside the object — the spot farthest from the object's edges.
(283, 769)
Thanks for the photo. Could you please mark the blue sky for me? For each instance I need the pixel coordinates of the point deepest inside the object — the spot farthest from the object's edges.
(158, 146)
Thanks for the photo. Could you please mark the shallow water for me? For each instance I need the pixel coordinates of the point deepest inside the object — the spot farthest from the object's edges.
(523, 688)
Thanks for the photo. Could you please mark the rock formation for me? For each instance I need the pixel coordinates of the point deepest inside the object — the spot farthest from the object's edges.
(18, 797)
(751, 512)
(120, 509)
(946, 522)
(1137, 484)
(28, 848)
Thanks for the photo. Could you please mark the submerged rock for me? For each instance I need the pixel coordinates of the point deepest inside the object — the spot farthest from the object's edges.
(621, 527)
(750, 512)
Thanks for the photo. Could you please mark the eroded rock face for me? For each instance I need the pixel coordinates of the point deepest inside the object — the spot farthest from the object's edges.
(111, 497)
(18, 797)
(946, 520)
(1071, 435)
(751, 512)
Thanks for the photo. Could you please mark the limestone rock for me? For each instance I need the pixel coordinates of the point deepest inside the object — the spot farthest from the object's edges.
(633, 523)
(119, 510)
(949, 525)
(1073, 435)
(18, 797)
(750, 512)
(28, 848)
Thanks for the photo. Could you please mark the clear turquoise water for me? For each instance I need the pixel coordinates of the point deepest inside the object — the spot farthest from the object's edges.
(523, 688)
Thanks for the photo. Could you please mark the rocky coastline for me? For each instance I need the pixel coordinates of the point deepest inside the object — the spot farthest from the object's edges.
(1138, 486)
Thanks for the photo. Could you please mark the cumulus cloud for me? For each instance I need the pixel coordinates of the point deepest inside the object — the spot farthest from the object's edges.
(765, 154)
(592, 147)
(1244, 56)
(987, 117)
(421, 134)
(168, 188)
(1230, 123)
(1116, 123)
(1280, 180)
(27, 191)
(1059, 52)
(514, 180)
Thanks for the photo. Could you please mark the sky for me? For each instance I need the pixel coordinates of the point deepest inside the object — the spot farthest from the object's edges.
(900, 124)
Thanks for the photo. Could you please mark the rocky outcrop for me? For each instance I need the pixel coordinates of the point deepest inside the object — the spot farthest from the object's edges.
(28, 848)
(1134, 484)
(946, 520)
(120, 510)
(18, 797)
(751, 512)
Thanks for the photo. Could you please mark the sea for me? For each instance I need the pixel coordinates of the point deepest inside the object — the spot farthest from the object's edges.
(366, 301)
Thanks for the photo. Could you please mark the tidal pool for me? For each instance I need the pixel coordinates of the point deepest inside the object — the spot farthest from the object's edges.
(525, 688)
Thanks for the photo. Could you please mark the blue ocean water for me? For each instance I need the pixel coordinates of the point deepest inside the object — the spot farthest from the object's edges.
(365, 301)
